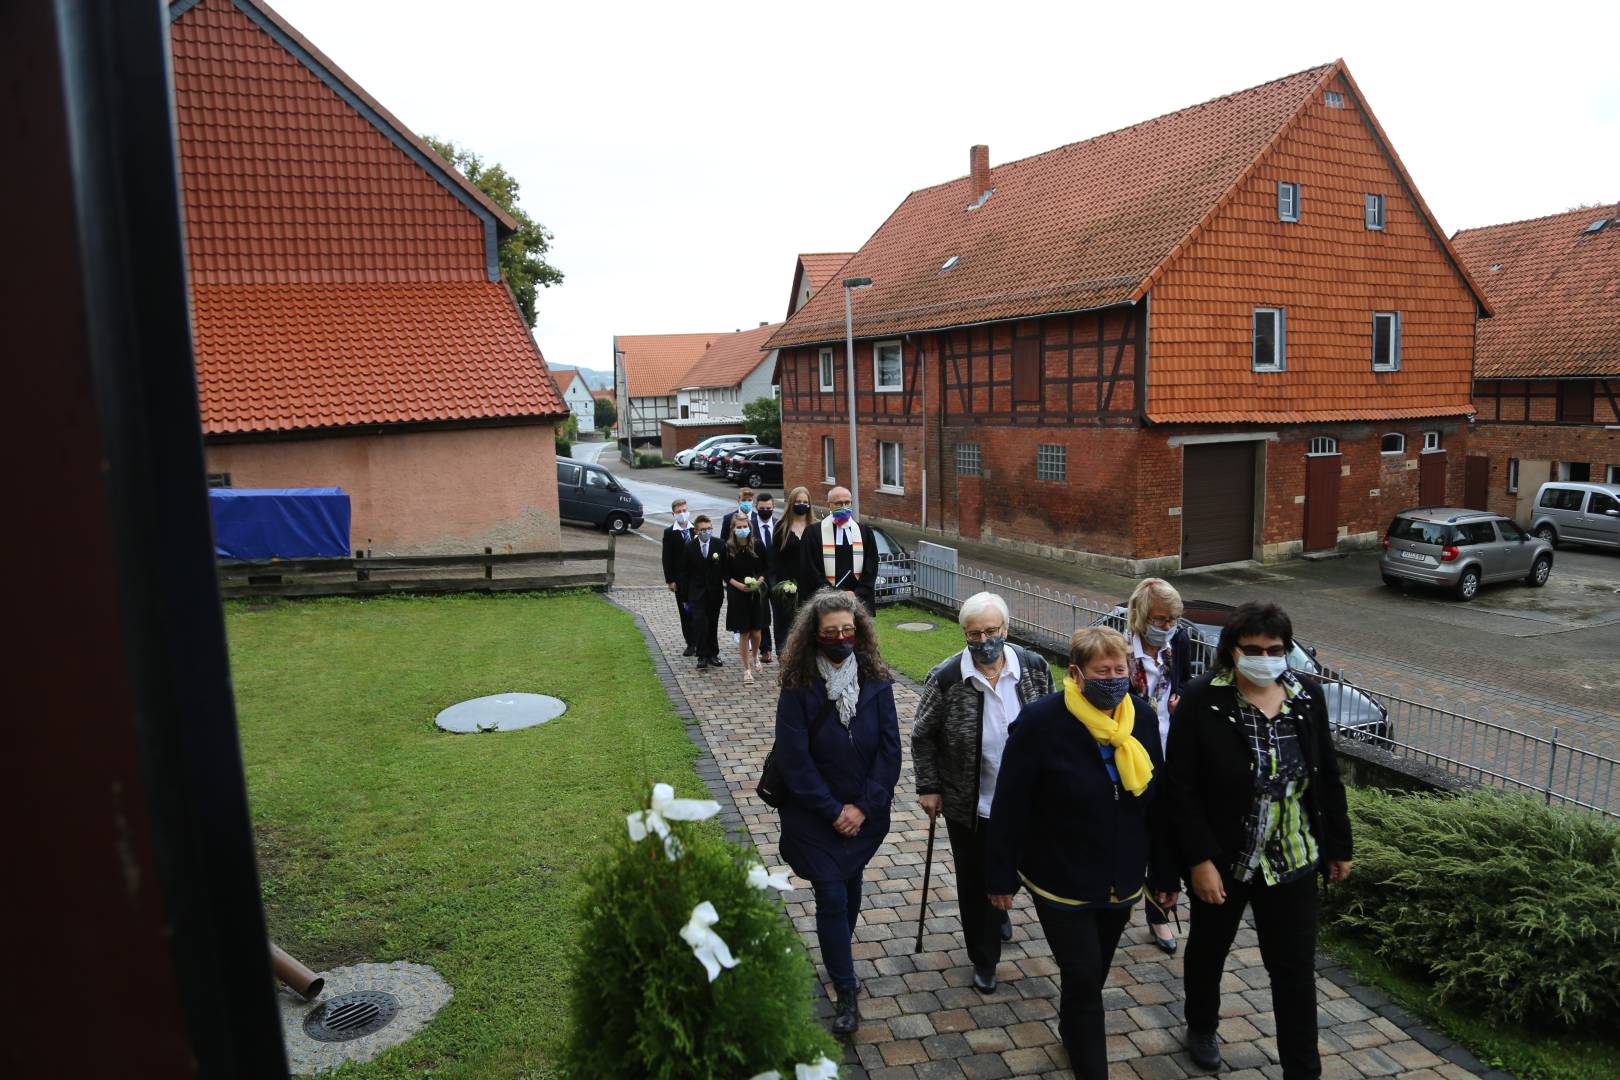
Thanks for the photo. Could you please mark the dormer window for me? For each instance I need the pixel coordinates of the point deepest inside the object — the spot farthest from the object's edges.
(1287, 201)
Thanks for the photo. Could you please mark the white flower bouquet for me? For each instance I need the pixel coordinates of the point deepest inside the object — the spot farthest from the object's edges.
(786, 588)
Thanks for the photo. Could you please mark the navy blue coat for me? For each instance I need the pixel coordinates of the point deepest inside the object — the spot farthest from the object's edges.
(1064, 823)
(859, 766)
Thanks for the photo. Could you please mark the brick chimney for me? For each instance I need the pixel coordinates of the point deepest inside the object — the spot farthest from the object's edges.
(978, 172)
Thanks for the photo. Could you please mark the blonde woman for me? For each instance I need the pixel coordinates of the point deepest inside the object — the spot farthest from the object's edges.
(797, 516)
(747, 610)
(1160, 659)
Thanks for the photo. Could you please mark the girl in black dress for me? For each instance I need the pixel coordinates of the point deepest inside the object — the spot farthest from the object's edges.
(797, 516)
(746, 607)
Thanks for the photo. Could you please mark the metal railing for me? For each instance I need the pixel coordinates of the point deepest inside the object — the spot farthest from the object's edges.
(1481, 746)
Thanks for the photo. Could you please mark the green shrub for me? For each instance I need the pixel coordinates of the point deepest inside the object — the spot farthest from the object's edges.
(1506, 905)
(649, 459)
(565, 448)
(643, 1005)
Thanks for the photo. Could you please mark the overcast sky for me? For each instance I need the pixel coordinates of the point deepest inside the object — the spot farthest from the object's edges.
(683, 154)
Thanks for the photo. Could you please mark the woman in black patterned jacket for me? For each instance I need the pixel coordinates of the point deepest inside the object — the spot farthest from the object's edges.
(968, 704)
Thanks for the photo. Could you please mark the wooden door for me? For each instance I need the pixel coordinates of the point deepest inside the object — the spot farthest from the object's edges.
(1322, 501)
(1217, 503)
(1477, 482)
(1432, 478)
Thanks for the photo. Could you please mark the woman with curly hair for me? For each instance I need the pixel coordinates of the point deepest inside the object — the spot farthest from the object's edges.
(838, 742)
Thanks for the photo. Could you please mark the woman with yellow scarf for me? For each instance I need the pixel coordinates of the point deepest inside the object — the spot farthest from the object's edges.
(1076, 822)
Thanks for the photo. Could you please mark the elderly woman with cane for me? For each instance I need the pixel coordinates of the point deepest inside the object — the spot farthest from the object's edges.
(968, 705)
(838, 746)
(1075, 821)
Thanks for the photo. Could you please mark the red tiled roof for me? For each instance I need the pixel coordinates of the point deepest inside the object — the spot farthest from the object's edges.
(564, 377)
(1085, 226)
(819, 267)
(655, 364)
(280, 357)
(608, 394)
(1556, 291)
(731, 358)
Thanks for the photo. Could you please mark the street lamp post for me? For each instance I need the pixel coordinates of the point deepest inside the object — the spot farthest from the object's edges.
(850, 285)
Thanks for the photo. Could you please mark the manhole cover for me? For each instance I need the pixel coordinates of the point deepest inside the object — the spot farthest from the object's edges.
(914, 627)
(501, 712)
(349, 1016)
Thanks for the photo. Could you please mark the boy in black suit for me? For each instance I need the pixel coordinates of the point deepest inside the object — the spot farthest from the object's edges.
(705, 590)
(675, 538)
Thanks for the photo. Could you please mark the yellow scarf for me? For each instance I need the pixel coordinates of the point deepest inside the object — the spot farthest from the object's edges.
(1130, 757)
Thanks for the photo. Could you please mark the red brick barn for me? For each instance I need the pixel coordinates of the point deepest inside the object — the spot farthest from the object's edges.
(351, 324)
(1547, 376)
(1224, 334)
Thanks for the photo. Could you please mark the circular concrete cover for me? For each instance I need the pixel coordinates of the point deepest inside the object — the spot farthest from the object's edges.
(914, 627)
(420, 991)
(500, 712)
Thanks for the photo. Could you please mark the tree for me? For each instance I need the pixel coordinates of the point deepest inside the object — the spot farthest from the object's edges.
(522, 254)
(763, 420)
(606, 413)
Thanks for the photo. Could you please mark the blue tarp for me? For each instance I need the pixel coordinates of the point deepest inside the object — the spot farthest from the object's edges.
(280, 523)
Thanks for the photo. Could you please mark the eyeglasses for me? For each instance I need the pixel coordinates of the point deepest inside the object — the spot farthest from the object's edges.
(1263, 650)
(1164, 623)
(980, 635)
(830, 636)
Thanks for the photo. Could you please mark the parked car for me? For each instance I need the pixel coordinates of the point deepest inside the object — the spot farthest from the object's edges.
(895, 569)
(715, 458)
(1352, 712)
(1461, 550)
(692, 455)
(1568, 511)
(589, 493)
(756, 466)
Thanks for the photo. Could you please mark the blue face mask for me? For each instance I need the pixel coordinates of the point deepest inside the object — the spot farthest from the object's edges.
(1106, 694)
(742, 532)
(745, 506)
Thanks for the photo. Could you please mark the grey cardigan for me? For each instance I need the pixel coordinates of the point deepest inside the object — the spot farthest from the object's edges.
(947, 734)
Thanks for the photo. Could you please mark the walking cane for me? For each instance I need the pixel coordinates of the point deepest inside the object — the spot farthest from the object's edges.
(928, 866)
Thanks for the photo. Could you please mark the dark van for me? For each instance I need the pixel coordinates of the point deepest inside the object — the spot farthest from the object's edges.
(589, 493)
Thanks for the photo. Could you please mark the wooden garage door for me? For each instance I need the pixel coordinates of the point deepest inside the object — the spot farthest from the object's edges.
(1217, 503)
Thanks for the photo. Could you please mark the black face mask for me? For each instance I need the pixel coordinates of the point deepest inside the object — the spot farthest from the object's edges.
(836, 651)
(801, 508)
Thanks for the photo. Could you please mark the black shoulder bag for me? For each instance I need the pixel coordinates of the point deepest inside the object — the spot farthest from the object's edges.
(772, 788)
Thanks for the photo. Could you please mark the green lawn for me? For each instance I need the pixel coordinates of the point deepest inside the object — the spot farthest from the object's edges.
(915, 653)
(381, 838)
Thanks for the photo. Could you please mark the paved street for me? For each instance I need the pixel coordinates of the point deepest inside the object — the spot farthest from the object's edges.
(923, 1021)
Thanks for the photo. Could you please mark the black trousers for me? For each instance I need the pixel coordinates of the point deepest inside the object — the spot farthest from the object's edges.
(981, 923)
(706, 626)
(1285, 920)
(686, 617)
(783, 608)
(1083, 942)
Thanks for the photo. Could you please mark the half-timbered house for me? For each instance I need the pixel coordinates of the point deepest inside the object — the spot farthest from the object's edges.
(1547, 373)
(1228, 333)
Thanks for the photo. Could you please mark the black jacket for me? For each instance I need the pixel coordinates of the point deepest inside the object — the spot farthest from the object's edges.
(1060, 820)
(705, 578)
(1211, 790)
(947, 736)
(674, 564)
(812, 576)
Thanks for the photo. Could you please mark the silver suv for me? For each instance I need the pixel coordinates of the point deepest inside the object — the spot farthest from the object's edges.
(1578, 512)
(1461, 550)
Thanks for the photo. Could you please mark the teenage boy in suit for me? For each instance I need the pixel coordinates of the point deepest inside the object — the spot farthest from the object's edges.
(705, 590)
(675, 540)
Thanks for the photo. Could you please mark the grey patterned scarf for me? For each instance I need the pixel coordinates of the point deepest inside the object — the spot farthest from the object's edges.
(843, 685)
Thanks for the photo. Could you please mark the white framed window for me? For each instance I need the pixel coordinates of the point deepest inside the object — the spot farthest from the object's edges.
(968, 461)
(1386, 341)
(829, 460)
(1287, 200)
(1333, 99)
(1375, 211)
(1513, 474)
(776, 390)
(1393, 443)
(889, 475)
(1052, 462)
(828, 370)
(1322, 446)
(1431, 442)
(1613, 474)
(887, 374)
(1270, 351)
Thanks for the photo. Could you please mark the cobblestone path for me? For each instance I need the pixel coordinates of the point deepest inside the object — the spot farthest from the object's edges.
(922, 1018)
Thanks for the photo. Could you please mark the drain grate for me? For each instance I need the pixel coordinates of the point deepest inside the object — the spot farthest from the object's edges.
(349, 1016)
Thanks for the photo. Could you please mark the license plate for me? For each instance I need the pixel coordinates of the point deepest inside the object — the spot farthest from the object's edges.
(1414, 556)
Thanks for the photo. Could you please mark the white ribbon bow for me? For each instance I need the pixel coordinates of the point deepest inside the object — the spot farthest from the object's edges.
(822, 1069)
(760, 878)
(666, 808)
(711, 952)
